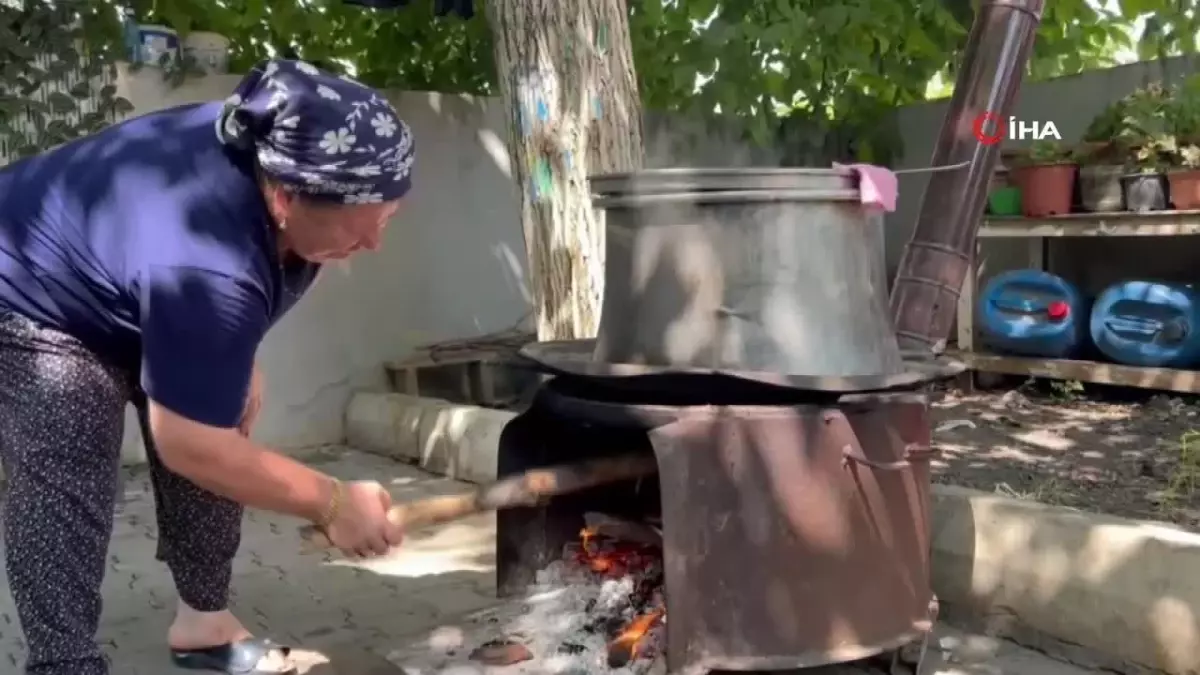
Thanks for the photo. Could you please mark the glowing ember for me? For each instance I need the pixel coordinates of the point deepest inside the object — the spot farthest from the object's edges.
(615, 558)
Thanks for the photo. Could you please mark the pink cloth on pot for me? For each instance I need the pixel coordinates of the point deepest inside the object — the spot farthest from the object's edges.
(877, 185)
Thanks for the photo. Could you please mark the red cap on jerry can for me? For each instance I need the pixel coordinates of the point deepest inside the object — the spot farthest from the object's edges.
(1058, 310)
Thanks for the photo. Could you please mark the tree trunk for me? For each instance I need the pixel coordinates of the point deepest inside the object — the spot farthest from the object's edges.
(568, 83)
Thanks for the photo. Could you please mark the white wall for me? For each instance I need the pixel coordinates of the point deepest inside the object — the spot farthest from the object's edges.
(451, 266)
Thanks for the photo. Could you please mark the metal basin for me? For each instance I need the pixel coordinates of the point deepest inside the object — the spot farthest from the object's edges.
(743, 270)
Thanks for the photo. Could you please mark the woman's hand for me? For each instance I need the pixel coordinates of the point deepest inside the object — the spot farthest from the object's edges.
(361, 528)
(253, 403)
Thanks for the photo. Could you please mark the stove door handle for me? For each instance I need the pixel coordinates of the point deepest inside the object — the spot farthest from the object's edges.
(918, 452)
(912, 452)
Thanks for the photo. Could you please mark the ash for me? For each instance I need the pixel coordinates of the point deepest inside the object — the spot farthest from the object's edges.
(565, 622)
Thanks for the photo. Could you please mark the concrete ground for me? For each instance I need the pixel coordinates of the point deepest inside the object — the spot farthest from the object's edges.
(343, 613)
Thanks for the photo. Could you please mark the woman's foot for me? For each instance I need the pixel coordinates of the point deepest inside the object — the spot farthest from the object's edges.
(194, 631)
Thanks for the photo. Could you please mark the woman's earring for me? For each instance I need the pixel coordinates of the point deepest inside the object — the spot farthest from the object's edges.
(282, 225)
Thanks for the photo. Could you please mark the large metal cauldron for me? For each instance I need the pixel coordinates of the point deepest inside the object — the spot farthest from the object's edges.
(760, 270)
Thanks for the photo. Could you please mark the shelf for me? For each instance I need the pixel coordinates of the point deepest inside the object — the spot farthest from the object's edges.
(1119, 224)
(1036, 231)
(1095, 372)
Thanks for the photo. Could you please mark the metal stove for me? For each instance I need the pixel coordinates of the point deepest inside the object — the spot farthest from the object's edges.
(795, 528)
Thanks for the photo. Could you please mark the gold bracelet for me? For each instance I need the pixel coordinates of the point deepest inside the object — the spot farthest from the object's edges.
(330, 513)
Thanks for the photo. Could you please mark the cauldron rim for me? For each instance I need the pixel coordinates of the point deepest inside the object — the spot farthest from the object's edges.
(801, 183)
(722, 171)
(575, 358)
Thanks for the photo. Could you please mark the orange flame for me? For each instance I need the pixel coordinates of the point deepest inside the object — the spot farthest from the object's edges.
(624, 648)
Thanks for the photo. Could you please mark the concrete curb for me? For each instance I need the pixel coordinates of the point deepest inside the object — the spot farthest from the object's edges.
(458, 441)
(1052, 577)
(1126, 588)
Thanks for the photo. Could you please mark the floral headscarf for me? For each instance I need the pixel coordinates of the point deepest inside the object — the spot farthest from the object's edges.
(318, 134)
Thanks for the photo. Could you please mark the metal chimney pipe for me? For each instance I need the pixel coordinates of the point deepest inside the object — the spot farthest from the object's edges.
(936, 261)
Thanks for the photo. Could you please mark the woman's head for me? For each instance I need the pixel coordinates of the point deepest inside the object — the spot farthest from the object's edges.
(334, 158)
(322, 230)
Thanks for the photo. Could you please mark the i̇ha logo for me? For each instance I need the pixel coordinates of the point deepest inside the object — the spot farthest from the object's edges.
(991, 128)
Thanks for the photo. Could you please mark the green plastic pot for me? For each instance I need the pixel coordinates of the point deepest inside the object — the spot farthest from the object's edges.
(1005, 201)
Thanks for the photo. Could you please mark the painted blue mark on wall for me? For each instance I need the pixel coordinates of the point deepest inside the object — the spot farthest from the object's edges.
(597, 107)
(568, 160)
(543, 111)
(541, 180)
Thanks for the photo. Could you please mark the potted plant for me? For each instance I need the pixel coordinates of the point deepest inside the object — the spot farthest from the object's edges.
(1183, 111)
(1145, 186)
(1100, 162)
(1046, 177)
(1146, 138)
(1004, 198)
(209, 51)
(1184, 176)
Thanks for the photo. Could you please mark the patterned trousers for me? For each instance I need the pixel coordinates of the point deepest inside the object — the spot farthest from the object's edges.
(62, 412)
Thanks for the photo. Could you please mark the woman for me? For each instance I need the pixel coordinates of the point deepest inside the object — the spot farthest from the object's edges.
(145, 263)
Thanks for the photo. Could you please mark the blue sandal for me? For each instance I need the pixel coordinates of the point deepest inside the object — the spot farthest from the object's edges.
(235, 658)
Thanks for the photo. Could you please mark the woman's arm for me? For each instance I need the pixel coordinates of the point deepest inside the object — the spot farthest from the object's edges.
(225, 462)
(200, 332)
(355, 517)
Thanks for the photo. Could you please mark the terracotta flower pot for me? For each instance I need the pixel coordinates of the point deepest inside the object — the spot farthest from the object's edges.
(1046, 189)
(1185, 189)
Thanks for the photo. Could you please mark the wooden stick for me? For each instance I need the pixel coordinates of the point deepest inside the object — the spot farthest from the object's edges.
(526, 489)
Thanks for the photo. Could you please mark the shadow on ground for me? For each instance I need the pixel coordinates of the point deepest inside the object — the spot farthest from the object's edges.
(1136, 457)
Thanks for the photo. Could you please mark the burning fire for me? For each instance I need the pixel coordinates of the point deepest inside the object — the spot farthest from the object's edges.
(598, 606)
(613, 558)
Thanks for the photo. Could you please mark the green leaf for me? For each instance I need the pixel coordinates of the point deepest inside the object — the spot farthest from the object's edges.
(699, 10)
(60, 103)
(1133, 9)
(81, 90)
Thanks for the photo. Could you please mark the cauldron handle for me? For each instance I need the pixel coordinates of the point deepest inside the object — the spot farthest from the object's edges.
(912, 452)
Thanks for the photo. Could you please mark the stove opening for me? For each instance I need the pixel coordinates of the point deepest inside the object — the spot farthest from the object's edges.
(605, 544)
(529, 539)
